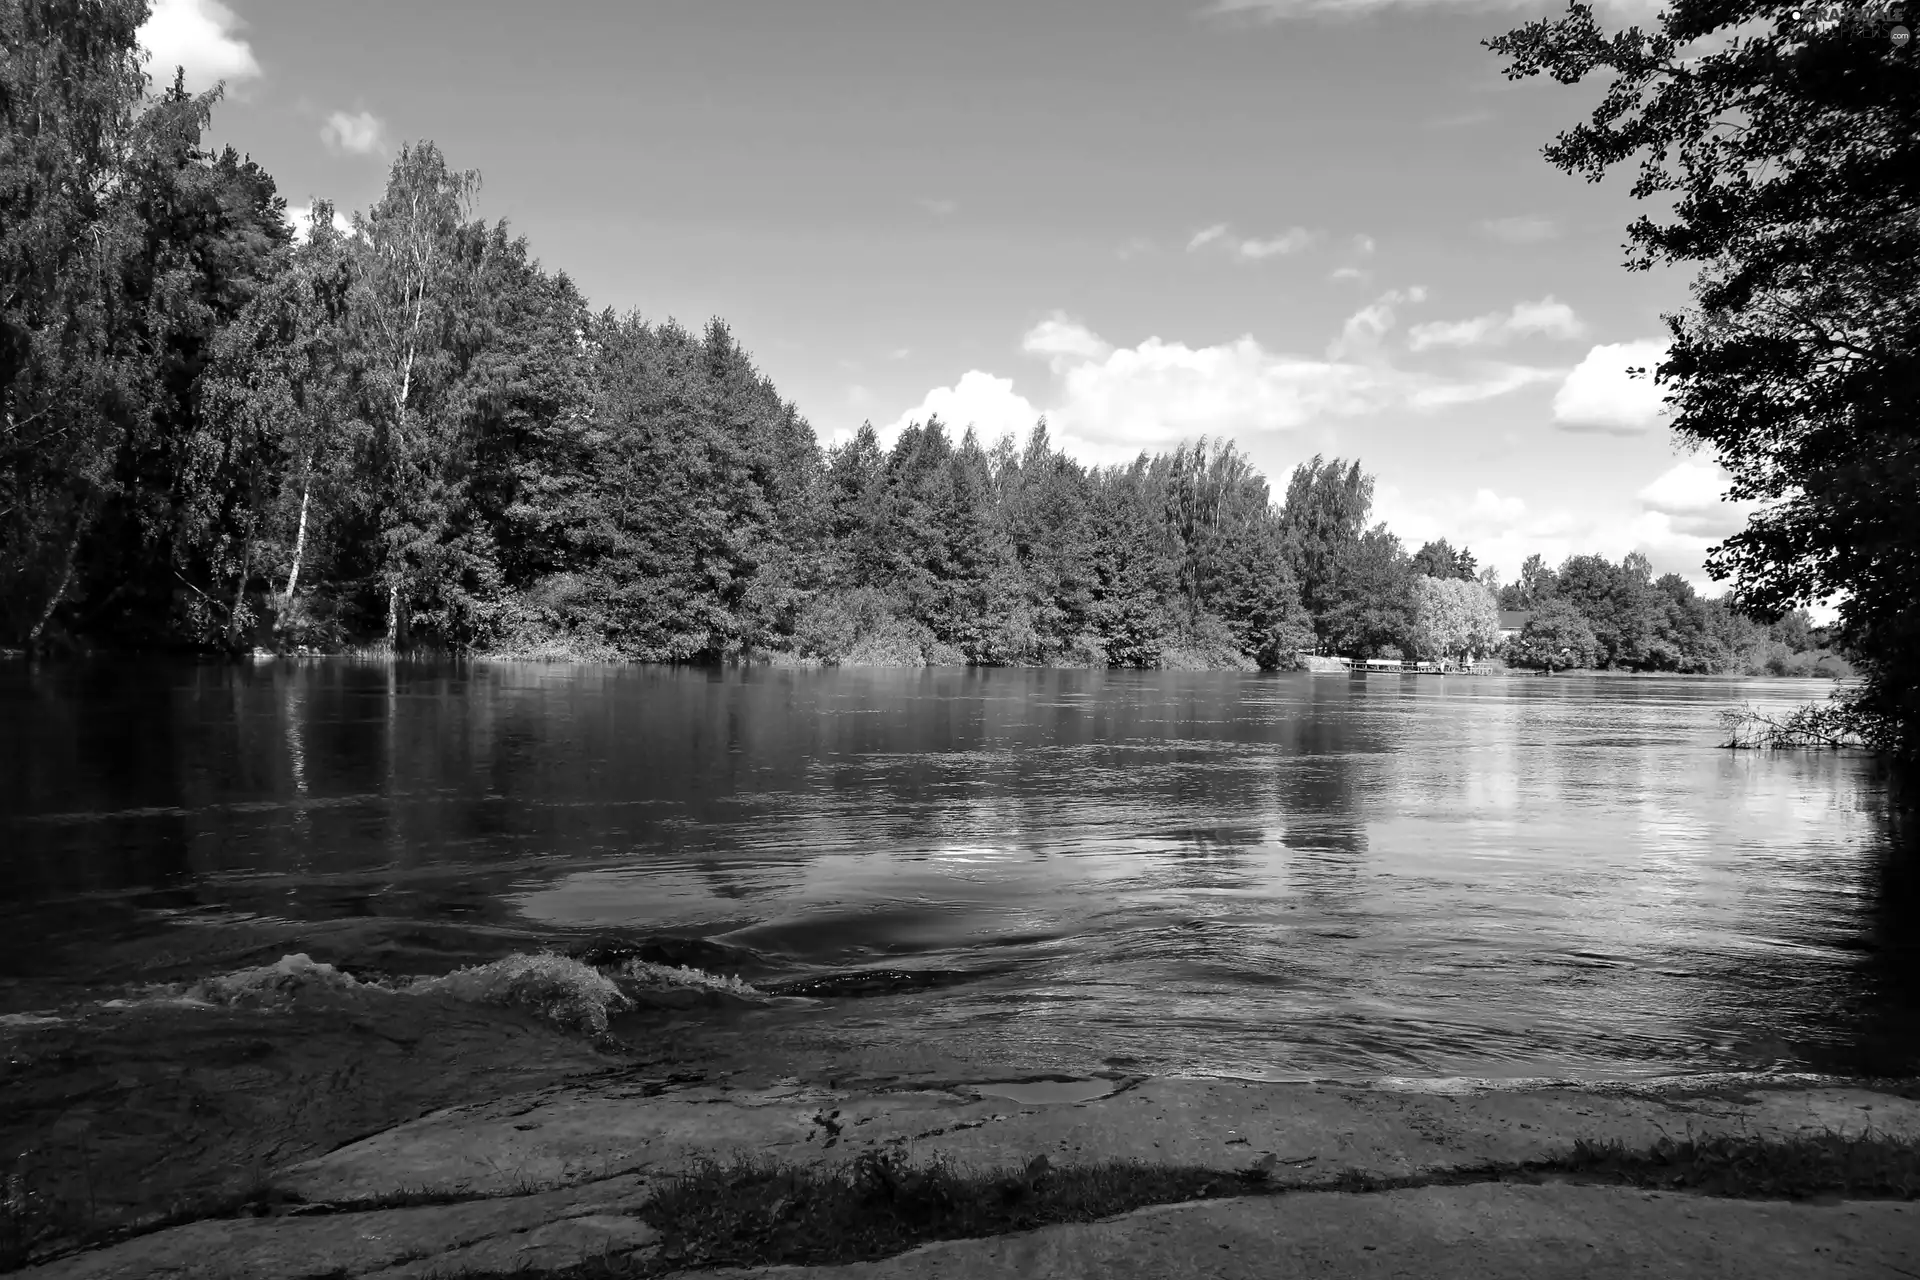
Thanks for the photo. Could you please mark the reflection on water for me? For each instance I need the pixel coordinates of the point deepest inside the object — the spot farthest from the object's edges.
(1261, 875)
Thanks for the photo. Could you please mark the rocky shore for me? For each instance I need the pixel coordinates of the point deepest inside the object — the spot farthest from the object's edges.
(557, 1177)
(407, 1100)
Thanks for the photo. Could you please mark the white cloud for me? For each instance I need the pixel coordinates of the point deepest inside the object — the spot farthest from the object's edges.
(1493, 526)
(938, 208)
(1362, 334)
(1677, 517)
(200, 36)
(1546, 317)
(1692, 497)
(1106, 403)
(359, 134)
(301, 216)
(1520, 230)
(1253, 249)
(1351, 273)
(1064, 341)
(1116, 403)
(979, 400)
(1484, 382)
(1207, 236)
(1600, 396)
(1292, 240)
(1363, 244)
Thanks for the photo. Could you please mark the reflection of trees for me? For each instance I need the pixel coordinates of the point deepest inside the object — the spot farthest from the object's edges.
(74, 745)
(1317, 787)
(1885, 1021)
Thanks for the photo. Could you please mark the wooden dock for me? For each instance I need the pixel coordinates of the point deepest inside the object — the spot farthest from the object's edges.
(1332, 665)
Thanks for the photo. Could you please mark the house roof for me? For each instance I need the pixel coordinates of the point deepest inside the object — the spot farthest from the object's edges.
(1514, 619)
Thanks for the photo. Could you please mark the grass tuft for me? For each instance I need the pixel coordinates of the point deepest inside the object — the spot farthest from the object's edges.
(1862, 1166)
(757, 1213)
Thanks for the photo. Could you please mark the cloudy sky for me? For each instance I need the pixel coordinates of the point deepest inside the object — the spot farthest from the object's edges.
(1309, 225)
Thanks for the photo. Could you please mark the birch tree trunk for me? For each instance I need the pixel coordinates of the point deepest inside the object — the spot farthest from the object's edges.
(299, 543)
(66, 579)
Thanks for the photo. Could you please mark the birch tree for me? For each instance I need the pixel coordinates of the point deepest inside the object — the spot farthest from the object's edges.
(415, 257)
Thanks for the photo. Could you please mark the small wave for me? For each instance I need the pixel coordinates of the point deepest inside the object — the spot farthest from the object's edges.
(569, 993)
(30, 1020)
(274, 983)
(645, 973)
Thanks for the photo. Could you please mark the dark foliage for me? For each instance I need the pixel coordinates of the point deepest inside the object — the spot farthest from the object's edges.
(1788, 149)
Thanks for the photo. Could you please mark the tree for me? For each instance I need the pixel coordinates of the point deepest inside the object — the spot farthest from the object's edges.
(1617, 602)
(1536, 585)
(180, 536)
(1370, 601)
(1435, 559)
(1453, 618)
(1555, 638)
(1324, 515)
(1438, 559)
(416, 259)
(1049, 508)
(70, 378)
(1135, 568)
(1439, 629)
(1232, 551)
(1791, 156)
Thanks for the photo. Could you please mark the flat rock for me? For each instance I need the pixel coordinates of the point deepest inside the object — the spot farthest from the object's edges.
(592, 1148)
(1490, 1231)
(549, 1228)
(574, 1133)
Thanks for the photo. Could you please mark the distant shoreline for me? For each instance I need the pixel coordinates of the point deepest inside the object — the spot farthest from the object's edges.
(787, 662)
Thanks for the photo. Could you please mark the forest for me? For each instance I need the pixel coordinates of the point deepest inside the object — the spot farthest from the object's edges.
(397, 431)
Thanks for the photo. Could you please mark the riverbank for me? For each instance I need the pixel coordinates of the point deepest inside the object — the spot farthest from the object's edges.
(400, 1098)
(631, 1174)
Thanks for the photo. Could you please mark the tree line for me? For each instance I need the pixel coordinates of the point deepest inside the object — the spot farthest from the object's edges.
(404, 431)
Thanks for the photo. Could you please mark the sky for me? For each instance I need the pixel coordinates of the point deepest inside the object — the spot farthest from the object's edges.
(1309, 226)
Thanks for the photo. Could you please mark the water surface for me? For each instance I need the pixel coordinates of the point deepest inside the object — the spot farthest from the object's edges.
(1281, 876)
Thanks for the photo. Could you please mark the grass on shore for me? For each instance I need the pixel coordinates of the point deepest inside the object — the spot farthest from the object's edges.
(761, 1213)
(1869, 1166)
(758, 1212)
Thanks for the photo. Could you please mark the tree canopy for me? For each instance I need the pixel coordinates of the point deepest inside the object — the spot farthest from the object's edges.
(221, 435)
(1786, 139)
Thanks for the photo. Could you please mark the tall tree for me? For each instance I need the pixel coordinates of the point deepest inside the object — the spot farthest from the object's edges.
(1370, 607)
(1789, 150)
(179, 540)
(1324, 515)
(417, 258)
(71, 380)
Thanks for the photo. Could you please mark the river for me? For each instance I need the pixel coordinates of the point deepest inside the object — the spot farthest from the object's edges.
(1273, 876)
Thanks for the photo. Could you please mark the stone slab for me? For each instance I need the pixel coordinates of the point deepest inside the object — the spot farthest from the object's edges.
(549, 1227)
(1488, 1231)
(569, 1134)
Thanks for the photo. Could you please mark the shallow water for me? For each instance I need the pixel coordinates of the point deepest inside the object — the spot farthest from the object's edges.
(1273, 876)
